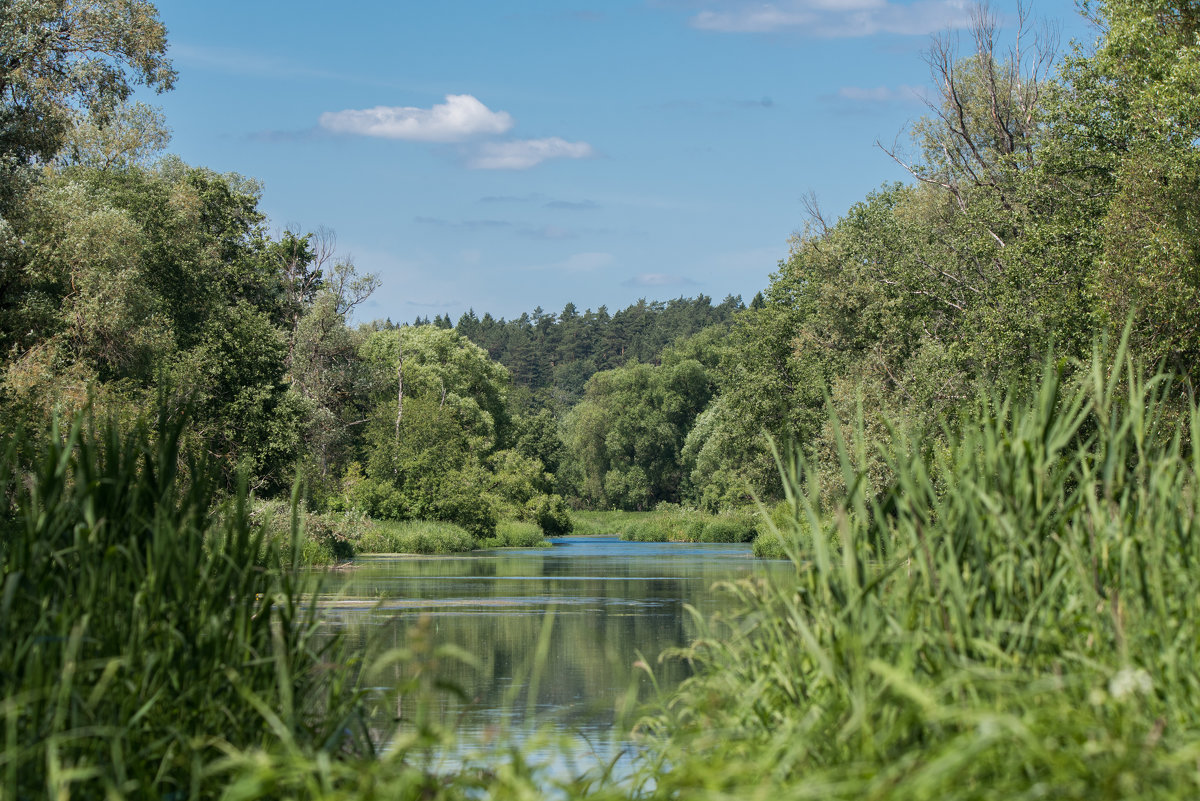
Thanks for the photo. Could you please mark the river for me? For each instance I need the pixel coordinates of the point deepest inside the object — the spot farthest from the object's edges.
(609, 601)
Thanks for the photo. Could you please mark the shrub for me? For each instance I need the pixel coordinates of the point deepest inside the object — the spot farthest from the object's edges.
(323, 538)
(336, 532)
(1013, 616)
(378, 499)
(550, 512)
(517, 534)
(668, 526)
(767, 545)
(415, 536)
(729, 527)
(464, 505)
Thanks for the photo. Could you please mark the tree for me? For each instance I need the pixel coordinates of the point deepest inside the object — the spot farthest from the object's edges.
(1125, 129)
(626, 435)
(430, 442)
(62, 59)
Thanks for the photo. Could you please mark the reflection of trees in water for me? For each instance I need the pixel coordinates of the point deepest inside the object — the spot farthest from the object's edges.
(607, 611)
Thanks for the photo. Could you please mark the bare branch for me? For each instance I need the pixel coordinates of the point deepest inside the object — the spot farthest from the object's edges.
(813, 210)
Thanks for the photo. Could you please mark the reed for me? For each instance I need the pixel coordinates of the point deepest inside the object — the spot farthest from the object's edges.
(687, 525)
(606, 523)
(1016, 615)
(414, 537)
(143, 638)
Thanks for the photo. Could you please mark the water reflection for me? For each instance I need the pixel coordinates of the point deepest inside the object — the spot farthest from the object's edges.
(611, 599)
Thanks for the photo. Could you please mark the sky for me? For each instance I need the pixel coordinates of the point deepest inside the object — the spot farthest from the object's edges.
(501, 156)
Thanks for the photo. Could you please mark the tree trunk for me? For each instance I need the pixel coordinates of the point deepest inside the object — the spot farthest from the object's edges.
(399, 393)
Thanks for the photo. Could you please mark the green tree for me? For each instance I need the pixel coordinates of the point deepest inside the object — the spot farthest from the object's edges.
(626, 435)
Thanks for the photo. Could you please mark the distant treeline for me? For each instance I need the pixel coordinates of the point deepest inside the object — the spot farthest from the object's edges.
(563, 351)
(560, 352)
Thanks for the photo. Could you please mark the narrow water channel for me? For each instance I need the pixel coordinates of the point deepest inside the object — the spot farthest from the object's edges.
(611, 601)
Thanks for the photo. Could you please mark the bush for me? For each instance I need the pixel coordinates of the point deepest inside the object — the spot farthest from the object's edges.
(378, 499)
(667, 526)
(670, 523)
(336, 532)
(462, 503)
(550, 512)
(767, 545)
(323, 538)
(517, 534)
(415, 536)
(1011, 617)
(729, 528)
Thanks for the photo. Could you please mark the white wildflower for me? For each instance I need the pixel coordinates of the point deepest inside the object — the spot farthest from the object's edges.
(1128, 681)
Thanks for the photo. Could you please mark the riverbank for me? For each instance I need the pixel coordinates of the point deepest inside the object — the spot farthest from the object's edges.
(330, 538)
(686, 525)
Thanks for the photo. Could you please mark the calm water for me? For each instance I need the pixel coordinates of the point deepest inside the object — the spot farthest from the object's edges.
(611, 600)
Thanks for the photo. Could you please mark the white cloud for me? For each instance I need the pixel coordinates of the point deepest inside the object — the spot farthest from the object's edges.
(883, 94)
(549, 232)
(835, 18)
(577, 263)
(585, 262)
(751, 20)
(460, 117)
(658, 280)
(521, 154)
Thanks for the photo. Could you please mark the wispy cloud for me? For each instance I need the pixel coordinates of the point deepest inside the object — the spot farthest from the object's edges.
(279, 137)
(434, 304)
(239, 62)
(521, 154)
(586, 262)
(544, 201)
(573, 205)
(867, 101)
(714, 106)
(463, 225)
(532, 197)
(883, 94)
(549, 232)
(578, 263)
(234, 61)
(762, 102)
(657, 280)
(460, 117)
(834, 18)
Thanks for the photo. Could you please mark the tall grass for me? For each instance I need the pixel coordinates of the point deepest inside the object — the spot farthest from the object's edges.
(589, 523)
(322, 539)
(142, 640)
(414, 537)
(1017, 615)
(684, 525)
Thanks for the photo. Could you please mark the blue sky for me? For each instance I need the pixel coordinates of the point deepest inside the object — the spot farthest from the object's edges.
(502, 156)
